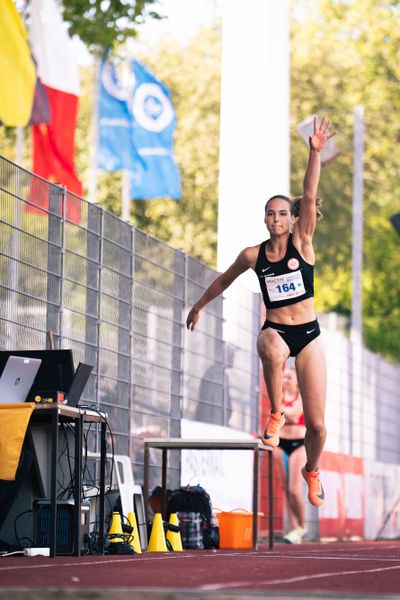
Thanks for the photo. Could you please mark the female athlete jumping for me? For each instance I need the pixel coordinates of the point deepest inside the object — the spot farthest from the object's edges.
(284, 265)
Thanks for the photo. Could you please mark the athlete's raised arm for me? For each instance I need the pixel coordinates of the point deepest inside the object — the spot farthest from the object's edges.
(307, 212)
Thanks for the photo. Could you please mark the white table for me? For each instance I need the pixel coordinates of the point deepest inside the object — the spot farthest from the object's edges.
(255, 445)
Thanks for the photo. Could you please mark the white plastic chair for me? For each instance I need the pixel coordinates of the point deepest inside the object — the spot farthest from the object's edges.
(130, 493)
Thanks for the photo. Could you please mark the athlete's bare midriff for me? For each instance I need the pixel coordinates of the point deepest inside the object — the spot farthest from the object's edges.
(293, 432)
(294, 314)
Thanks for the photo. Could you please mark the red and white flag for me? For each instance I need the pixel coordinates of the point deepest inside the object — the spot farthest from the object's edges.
(54, 142)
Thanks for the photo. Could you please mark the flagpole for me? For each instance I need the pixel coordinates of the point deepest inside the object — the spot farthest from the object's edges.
(92, 187)
(19, 145)
(14, 244)
(357, 237)
(125, 196)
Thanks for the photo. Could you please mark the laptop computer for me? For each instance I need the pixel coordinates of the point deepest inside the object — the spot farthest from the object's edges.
(78, 383)
(55, 373)
(17, 378)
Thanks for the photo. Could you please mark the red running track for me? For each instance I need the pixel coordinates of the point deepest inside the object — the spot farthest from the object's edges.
(362, 567)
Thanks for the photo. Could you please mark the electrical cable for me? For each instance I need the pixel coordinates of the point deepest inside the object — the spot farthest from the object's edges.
(67, 491)
(19, 539)
(61, 477)
(103, 416)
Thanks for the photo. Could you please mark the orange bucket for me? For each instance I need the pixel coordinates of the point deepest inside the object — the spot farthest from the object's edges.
(236, 528)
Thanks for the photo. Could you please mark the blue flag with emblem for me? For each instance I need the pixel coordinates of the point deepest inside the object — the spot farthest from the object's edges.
(153, 126)
(116, 150)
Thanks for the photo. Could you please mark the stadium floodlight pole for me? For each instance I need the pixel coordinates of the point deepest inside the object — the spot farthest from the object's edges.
(357, 244)
(259, 166)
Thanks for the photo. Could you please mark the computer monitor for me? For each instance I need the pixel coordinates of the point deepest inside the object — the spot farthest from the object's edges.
(55, 372)
(78, 384)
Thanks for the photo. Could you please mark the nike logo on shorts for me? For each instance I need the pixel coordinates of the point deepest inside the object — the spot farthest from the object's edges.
(311, 330)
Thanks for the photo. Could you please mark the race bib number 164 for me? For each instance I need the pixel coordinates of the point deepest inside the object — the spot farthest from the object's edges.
(284, 287)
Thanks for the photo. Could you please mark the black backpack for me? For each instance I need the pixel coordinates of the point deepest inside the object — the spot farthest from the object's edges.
(194, 501)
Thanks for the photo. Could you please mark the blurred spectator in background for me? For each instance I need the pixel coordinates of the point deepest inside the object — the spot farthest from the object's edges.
(290, 456)
(215, 403)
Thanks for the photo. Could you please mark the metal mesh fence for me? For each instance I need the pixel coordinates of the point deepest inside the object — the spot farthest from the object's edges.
(118, 298)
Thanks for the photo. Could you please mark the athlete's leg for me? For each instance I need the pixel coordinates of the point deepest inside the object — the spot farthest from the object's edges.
(273, 352)
(311, 375)
(279, 462)
(297, 460)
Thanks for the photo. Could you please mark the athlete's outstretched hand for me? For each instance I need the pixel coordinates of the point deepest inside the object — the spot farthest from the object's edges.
(192, 318)
(321, 134)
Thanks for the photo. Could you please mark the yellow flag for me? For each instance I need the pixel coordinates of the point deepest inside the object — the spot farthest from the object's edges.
(14, 419)
(17, 69)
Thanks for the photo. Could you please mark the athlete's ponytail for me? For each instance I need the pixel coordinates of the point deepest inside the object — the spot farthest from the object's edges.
(296, 207)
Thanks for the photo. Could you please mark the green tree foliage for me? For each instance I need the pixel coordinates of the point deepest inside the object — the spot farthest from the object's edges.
(7, 142)
(106, 23)
(346, 53)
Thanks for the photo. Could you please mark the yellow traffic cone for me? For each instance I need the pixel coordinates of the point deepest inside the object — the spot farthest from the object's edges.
(133, 539)
(157, 541)
(115, 530)
(175, 537)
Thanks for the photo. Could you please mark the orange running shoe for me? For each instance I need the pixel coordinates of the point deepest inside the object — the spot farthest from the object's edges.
(271, 433)
(316, 494)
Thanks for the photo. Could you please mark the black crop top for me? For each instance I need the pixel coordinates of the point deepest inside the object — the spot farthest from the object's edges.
(285, 281)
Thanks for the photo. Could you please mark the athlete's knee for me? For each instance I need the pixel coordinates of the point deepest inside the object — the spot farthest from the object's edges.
(294, 496)
(272, 359)
(269, 353)
(316, 430)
